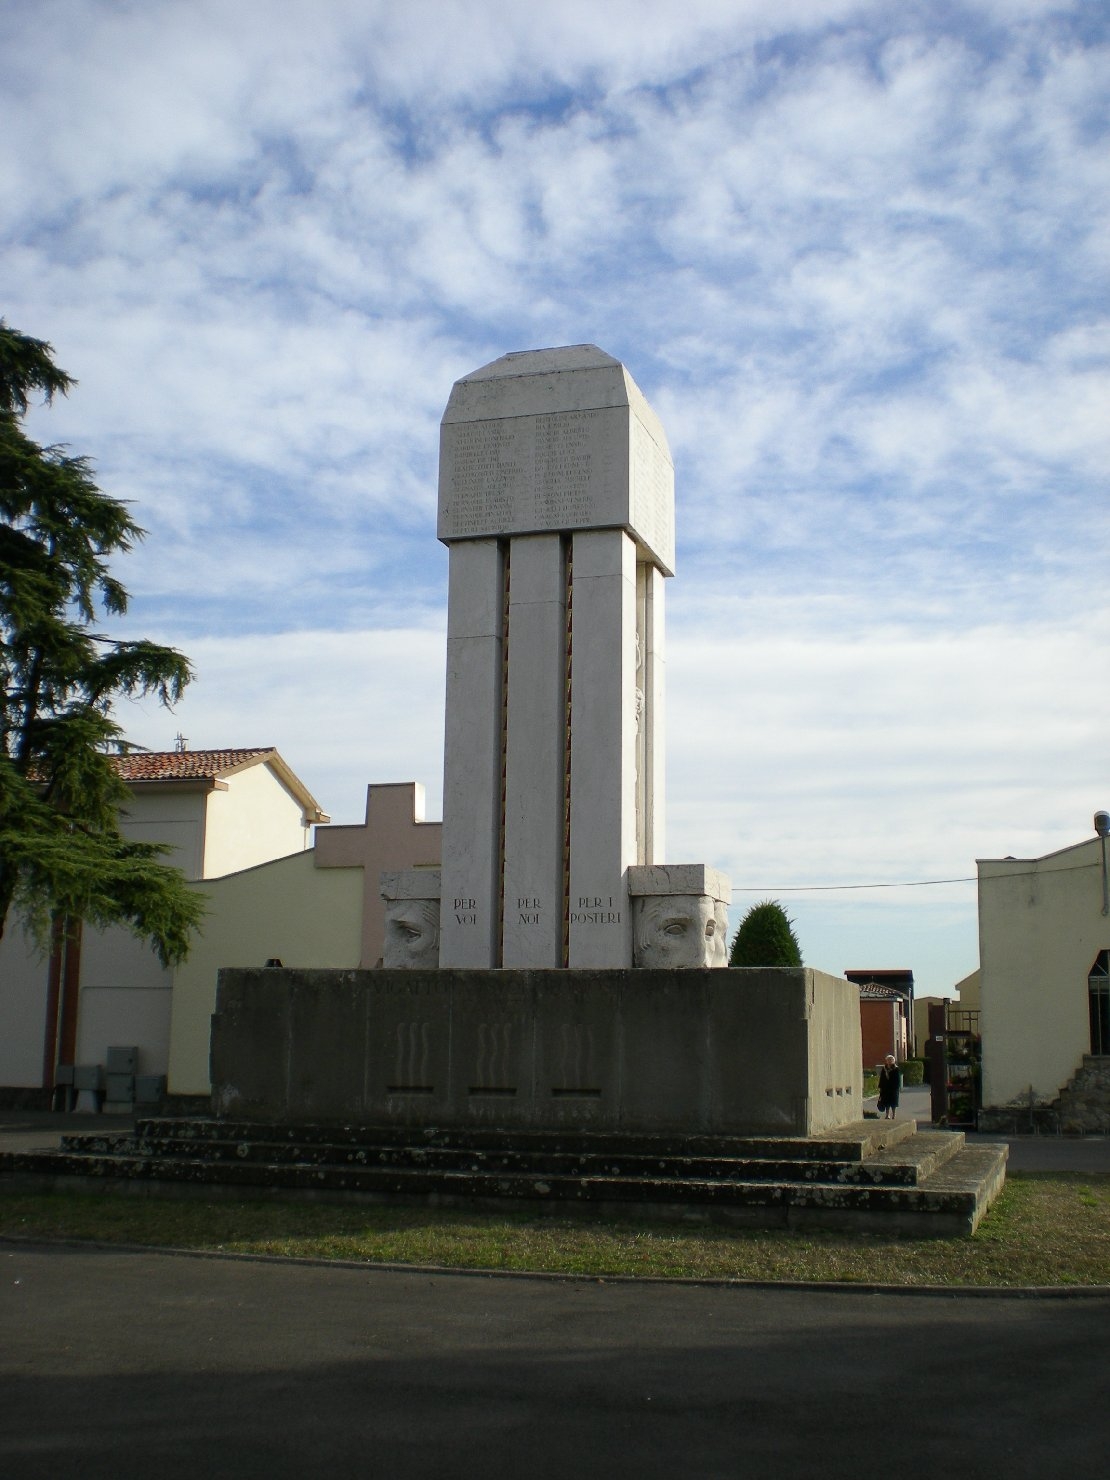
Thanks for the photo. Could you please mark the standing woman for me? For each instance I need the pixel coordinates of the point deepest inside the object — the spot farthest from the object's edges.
(890, 1086)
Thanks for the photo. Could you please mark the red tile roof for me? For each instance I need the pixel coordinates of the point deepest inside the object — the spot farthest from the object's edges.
(182, 765)
(876, 992)
(209, 765)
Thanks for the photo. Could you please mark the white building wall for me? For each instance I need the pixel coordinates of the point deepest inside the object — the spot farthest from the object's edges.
(125, 996)
(116, 958)
(23, 983)
(176, 818)
(1041, 928)
(125, 1017)
(256, 819)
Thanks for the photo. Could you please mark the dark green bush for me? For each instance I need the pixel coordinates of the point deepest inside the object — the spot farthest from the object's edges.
(913, 1071)
(765, 937)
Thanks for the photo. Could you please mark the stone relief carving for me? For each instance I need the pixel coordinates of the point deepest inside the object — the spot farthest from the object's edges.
(677, 931)
(411, 1066)
(576, 1059)
(720, 935)
(411, 933)
(494, 1066)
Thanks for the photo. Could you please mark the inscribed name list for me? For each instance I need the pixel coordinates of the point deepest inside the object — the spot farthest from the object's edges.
(593, 469)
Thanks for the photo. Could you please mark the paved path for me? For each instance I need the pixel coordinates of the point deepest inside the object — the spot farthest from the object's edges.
(116, 1365)
(1027, 1153)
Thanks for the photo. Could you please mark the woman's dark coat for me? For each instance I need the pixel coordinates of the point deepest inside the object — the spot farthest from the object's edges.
(890, 1086)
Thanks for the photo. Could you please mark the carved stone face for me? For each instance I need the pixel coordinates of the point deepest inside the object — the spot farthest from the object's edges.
(411, 933)
(720, 935)
(676, 931)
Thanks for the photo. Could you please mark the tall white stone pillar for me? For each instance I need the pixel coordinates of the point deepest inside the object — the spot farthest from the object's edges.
(556, 498)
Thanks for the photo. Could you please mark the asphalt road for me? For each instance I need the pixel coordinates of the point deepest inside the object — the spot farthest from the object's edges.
(120, 1365)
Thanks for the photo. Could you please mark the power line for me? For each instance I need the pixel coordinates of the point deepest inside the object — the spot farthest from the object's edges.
(1027, 873)
(824, 888)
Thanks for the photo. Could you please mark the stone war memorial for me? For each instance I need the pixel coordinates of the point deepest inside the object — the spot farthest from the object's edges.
(555, 971)
(554, 1020)
(557, 504)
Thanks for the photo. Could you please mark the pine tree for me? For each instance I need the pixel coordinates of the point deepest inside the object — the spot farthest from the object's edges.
(62, 854)
(765, 937)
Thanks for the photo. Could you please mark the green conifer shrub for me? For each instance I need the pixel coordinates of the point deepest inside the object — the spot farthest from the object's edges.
(765, 937)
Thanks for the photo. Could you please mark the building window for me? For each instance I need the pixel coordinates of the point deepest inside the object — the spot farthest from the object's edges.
(1098, 996)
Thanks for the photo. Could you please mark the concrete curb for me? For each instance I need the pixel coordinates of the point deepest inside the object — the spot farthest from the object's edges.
(816, 1287)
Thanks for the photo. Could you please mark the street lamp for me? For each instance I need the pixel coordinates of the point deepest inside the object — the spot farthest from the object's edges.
(1102, 827)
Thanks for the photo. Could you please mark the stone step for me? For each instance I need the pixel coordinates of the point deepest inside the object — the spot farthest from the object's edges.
(854, 1142)
(893, 1165)
(949, 1200)
(921, 1154)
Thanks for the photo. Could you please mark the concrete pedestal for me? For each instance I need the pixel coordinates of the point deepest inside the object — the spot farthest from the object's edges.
(746, 1053)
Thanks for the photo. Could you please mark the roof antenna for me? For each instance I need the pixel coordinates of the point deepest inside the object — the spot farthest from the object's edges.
(180, 744)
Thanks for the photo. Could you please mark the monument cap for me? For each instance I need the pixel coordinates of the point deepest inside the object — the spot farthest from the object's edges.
(557, 439)
(554, 360)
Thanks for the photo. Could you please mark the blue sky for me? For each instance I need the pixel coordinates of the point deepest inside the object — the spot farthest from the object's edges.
(855, 255)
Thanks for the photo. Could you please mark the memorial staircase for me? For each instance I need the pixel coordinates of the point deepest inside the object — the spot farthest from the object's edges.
(870, 1176)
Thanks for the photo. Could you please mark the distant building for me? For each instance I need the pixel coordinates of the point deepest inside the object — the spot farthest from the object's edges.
(886, 1011)
(963, 1010)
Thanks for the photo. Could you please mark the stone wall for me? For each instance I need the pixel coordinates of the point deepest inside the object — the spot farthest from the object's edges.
(1019, 1119)
(1084, 1104)
(753, 1052)
(1082, 1107)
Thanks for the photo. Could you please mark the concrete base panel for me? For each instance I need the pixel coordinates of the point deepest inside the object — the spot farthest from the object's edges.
(752, 1053)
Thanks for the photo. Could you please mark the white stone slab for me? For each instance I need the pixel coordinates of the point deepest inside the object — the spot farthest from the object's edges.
(603, 748)
(651, 715)
(410, 883)
(472, 759)
(474, 596)
(532, 910)
(680, 878)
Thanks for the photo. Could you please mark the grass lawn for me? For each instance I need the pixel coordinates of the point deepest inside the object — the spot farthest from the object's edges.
(1043, 1230)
